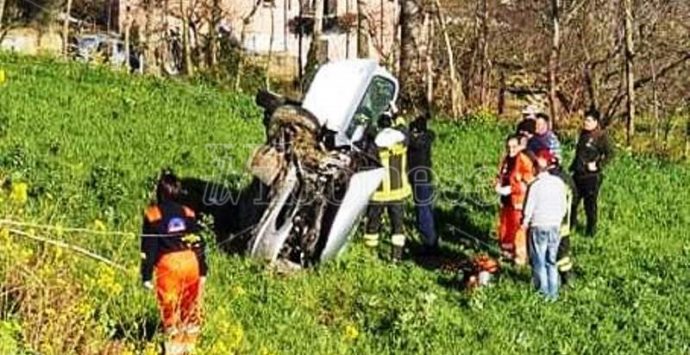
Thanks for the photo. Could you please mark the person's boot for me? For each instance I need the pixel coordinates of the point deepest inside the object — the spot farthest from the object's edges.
(566, 278)
(397, 253)
(591, 231)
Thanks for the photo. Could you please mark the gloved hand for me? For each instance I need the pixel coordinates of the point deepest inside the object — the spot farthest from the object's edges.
(148, 285)
(503, 190)
(592, 166)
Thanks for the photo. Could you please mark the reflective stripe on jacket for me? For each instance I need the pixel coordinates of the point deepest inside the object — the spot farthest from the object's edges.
(394, 186)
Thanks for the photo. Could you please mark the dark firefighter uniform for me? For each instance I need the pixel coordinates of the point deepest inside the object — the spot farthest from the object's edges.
(391, 146)
(564, 261)
(172, 250)
(592, 153)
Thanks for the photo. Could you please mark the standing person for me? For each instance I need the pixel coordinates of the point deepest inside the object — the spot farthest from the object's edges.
(171, 249)
(420, 176)
(391, 148)
(592, 153)
(516, 172)
(545, 209)
(544, 137)
(564, 260)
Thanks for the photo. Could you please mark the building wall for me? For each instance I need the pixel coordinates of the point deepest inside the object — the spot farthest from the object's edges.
(275, 16)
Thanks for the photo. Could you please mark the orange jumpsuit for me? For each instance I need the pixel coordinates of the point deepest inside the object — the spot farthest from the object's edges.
(171, 249)
(517, 173)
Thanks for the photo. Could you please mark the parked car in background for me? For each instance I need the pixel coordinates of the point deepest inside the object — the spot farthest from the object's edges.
(104, 48)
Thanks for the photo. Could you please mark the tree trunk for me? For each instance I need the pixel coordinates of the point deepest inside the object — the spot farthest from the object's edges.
(213, 34)
(186, 46)
(553, 59)
(2, 12)
(270, 50)
(484, 51)
(411, 41)
(687, 135)
(362, 30)
(314, 57)
(243, 33)
(655, 102)
(629, 69)
(128, 27)
(148, 64)
(429, 58)
(164, 48)
(455, 84)
(65, 29)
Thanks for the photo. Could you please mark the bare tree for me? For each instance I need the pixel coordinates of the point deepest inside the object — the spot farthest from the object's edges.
(362, 30)
(483, 51)
(455, 84)
(629, 69)
(2, 12)
(412, 50)
(65, 28)
(553, 58)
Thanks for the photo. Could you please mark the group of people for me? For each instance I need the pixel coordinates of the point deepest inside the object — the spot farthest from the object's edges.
(534, 224)
(539, 199)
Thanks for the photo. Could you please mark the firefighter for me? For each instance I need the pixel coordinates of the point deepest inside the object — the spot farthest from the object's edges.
(173, 251)
(391, 148)
(420, 177)
(592, 153)
(564, 261)
(516, 172)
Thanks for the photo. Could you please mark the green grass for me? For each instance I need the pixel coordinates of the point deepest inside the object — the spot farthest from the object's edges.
(89, 143)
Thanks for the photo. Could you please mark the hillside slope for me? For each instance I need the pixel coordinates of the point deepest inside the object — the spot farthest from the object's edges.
(88, 144)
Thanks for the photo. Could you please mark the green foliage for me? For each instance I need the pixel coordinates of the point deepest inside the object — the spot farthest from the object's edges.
(93, 141)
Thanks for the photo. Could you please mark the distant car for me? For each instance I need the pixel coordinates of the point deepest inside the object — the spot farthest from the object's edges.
(105, 48)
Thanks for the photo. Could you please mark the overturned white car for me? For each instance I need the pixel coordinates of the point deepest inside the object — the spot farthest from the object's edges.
(319, 177)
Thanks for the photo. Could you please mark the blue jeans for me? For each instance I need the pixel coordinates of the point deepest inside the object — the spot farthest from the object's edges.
(543, 249)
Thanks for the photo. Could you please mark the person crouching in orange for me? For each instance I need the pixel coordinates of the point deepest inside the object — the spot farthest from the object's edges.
(172, 250)
(515, 173)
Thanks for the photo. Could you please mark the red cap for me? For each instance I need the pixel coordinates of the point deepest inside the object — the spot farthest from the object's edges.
(546, 155)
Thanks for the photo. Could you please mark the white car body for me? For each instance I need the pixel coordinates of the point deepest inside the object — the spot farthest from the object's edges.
(345, 97)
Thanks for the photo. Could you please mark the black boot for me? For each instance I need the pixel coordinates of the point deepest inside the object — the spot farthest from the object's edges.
(397, 253)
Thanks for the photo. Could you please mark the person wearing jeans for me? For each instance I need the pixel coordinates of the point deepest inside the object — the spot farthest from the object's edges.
(545, 208)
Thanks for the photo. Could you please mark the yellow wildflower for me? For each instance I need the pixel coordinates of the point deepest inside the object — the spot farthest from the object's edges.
(238, 291)
(150, 349)
(3, 77)
(108, 282)
(265, 351)
(351, 333)
(99, 225)
(19, 193)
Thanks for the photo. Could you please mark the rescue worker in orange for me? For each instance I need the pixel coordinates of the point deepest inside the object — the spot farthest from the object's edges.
(515, 173)
(171, 249)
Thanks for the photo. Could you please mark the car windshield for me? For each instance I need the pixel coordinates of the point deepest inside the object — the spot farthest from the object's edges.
(377, 99)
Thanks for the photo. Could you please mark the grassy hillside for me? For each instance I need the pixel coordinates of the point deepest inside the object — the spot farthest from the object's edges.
(88, 143)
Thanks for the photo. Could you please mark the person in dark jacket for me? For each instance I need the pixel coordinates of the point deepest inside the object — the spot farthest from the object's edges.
(420, 177)
(173, 251)
(592, 153)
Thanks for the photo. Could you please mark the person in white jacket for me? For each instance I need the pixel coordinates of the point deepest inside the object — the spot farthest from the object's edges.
(545, 208)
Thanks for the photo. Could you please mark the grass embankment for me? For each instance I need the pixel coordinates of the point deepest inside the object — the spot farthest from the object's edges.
(88, 144)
